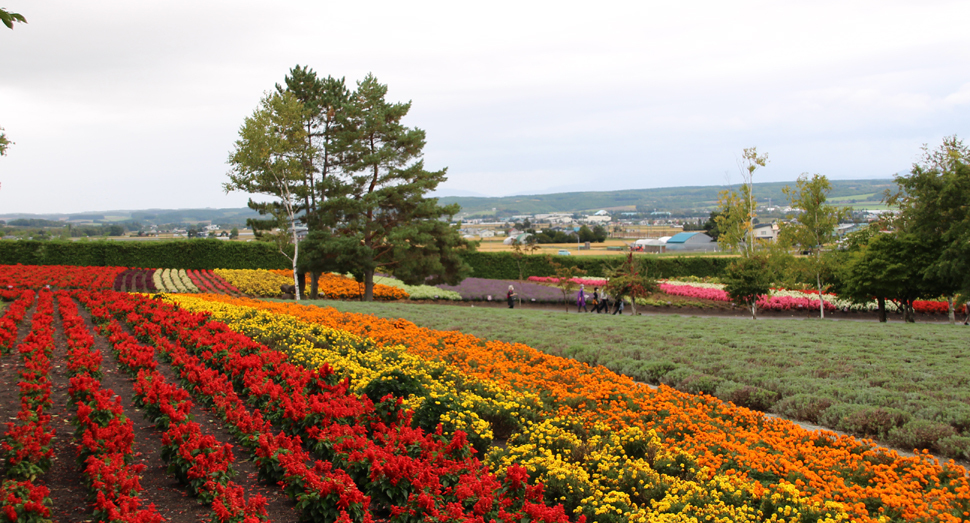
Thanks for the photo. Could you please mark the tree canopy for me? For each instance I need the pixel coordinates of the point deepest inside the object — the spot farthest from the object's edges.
(356, 179)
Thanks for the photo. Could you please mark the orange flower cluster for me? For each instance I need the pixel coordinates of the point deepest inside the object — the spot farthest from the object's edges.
(874, 484)
(344, 288)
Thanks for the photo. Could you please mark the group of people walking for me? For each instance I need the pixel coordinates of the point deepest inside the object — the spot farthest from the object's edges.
(599, 300)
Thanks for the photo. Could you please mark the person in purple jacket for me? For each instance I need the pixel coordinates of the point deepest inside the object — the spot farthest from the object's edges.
(581, 300)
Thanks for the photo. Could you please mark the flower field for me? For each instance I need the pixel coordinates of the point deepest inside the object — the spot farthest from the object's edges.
(601, 439)
(358, 418)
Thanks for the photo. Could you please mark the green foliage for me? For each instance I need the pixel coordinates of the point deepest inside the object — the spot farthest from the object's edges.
(814, 227)
(503, 266)
(747, 280)
(4, 143)
(9, 18)
(182, 254)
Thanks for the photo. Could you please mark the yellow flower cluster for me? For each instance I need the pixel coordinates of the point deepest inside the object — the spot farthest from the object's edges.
(473, 406)
(258, 281)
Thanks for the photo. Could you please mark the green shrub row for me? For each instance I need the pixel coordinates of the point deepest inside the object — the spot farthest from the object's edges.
(178, 254)
(503, 266)
(216, 254)
(940, 433)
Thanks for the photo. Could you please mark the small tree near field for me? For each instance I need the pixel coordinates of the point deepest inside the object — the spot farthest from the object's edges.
(747, 279)
(814, 227)
(736, 209)
(519, 251)
(564, 278)
(630, 280)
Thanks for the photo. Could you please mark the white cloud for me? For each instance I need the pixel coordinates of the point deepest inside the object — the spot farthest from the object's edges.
(120, 104)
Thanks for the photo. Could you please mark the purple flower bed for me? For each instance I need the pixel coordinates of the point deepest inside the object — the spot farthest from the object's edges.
(479, 289)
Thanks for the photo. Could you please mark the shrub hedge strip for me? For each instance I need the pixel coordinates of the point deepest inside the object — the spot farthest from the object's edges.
(207, 254)
(179, 254)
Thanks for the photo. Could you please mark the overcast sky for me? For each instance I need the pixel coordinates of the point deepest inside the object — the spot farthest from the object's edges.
(135, 104)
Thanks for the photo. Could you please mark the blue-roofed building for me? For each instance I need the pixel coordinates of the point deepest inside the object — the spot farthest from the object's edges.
(691, 241)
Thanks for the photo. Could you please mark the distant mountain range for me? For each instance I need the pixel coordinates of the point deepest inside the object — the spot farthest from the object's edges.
(676, 200)
(682, 201)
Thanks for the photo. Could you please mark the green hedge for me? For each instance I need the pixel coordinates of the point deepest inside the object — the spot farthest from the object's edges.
(176, 254)
(216, 254)
(502, 265)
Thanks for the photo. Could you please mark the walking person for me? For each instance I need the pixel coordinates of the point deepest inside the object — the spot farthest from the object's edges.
(967, 321)
(511, 297)
(581, 300)
(604, 303)
(596, 300)
(618, 308)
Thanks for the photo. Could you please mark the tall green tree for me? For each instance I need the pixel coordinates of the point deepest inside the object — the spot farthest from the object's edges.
(814, 226)
(934, 204)
(377, 215)
(268, 159)
(326, 103)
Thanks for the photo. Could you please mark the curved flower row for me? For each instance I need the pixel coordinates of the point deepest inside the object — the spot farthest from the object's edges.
(868, 482)
(417, 292)
(584, 481)
(207, 281)
(59, 276)
(785, 299)
(436, 391)
(408, 474)
(336, 286)
(255, 282)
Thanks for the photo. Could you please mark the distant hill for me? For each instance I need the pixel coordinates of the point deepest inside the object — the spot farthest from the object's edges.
(679, 201)
(685, 201)
(230, 217)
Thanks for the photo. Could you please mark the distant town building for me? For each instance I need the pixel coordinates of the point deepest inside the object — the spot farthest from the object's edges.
(691, 241)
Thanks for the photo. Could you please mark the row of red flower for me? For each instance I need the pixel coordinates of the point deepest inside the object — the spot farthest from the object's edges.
(13, 315)
(26, 448)
(407, 474)
(60, 276)
(198, 460)
(105, 435)
(208, 281)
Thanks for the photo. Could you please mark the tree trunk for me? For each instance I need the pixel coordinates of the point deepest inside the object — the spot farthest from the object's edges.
(301, 277)
(369, 285)
(821, 303)
(951, 310)
(296, 253)
(314, 286)
(882, 309)
(754, 310)
(909, 315)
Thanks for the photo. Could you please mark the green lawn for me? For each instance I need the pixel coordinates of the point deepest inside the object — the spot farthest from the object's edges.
(908, 384)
